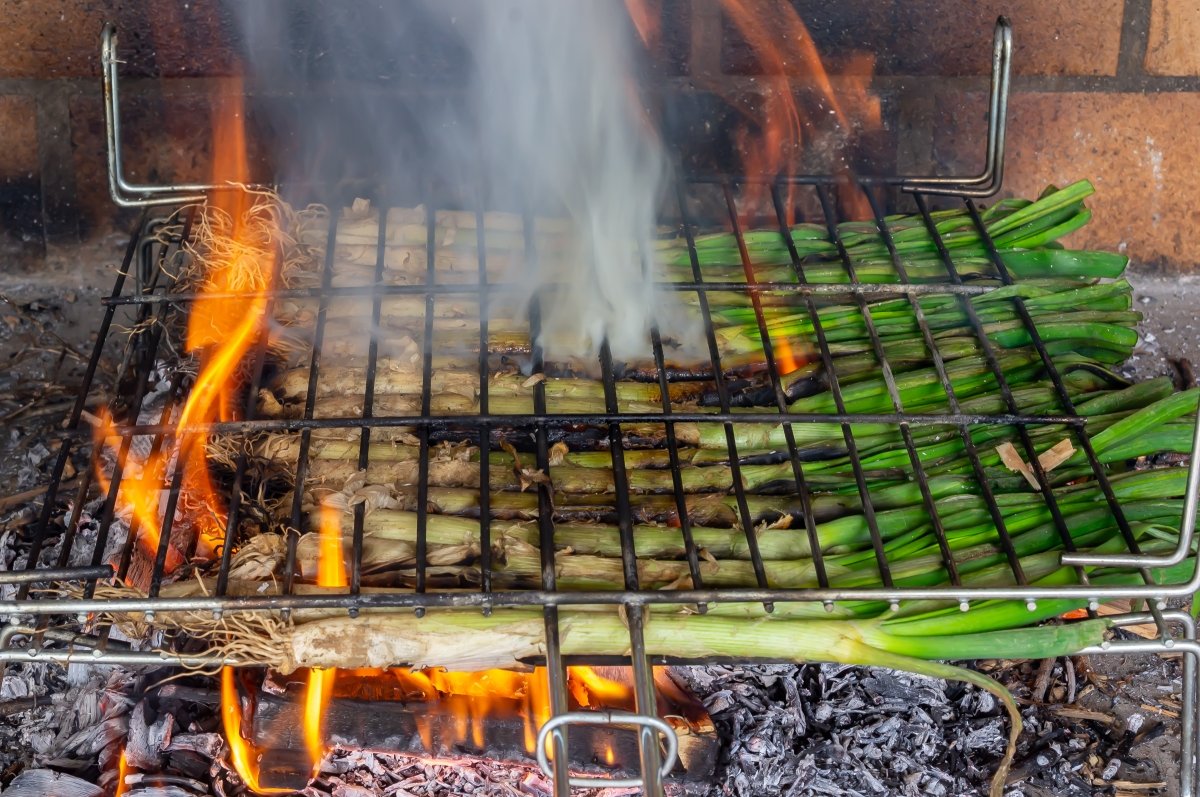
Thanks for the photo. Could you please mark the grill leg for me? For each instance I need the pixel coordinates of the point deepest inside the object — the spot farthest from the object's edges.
(643, 681)
(1189, 757)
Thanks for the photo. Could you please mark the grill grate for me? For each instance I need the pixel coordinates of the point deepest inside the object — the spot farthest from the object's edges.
(146, 298)
(154, 304)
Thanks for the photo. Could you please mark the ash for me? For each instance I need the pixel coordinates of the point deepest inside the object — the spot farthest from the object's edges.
(836, 730)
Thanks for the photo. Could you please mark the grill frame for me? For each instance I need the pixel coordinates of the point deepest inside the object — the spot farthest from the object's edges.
(156, 298)
(147, 298)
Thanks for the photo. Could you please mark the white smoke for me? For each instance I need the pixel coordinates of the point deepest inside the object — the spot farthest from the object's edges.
(555, 83)
(544, 90)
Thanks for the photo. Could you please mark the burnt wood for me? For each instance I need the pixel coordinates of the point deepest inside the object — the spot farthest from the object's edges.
(440, 730)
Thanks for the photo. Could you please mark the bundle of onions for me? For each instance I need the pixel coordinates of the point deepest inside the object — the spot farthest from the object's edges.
(1078, 303)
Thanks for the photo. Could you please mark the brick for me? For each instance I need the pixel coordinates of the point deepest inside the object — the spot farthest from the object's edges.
(45, 40)
(1174, 33)
(1138, 150)
(167, 138)
(19, 155)
(39, 39)
(933, 37)
(836, 29)
(159, 147)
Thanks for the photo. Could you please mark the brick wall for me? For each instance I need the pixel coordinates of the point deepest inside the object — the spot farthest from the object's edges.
(1105, 89)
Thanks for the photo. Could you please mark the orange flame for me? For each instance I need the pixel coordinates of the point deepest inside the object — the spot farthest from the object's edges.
(647, 18)
(242, 755)
(785, 358)
(331, 572)
(783, 46)
(470, 698)
(590, 688)
(777, 127)
(220, 332)
(122, 771)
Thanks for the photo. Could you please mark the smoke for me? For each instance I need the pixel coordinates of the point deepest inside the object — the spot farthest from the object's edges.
(555, 81)
(549, 115)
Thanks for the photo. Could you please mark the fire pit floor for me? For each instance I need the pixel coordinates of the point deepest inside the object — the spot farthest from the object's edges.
(784, 729)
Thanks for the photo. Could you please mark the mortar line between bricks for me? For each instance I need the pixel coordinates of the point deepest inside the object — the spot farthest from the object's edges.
(1135, 37)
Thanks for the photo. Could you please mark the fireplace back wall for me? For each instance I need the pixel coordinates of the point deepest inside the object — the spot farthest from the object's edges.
(1104, 89)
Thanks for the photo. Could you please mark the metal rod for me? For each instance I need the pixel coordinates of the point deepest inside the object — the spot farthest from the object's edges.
(1187, 529)
(989, 180)
(526, 420)
(472, 598)
(714, 354)
(881, 290)
(124, 193)
(556, 671)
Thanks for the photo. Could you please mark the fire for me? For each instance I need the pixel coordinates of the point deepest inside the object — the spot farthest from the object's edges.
(122, 771)
(469, 697)
(242, 754)
(331, 565)
(590, 688)
(777, 127)
(220, 332)
(785, 358)
(472, 697)
(331, 572)
(782, 44)
(316, 698)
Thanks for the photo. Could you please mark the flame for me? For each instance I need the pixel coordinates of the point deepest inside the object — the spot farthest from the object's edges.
(220, 332)
(610, 757)
(589, 688)
(777, 127)
(785, 358)
(647, 17)
(316, 698)
(242, 755)
(470, 698)
(139, 495)
(537, 713)
(331, 572)
(783, 46)
(331, 565)
(122, 771)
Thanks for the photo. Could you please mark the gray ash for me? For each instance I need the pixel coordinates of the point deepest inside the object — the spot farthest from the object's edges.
(836, 730)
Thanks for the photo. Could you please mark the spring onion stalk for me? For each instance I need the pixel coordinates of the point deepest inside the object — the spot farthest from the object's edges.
(468, 640)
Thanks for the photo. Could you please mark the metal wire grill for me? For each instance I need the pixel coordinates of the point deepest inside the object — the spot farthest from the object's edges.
(152, 303)
(146, 299)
